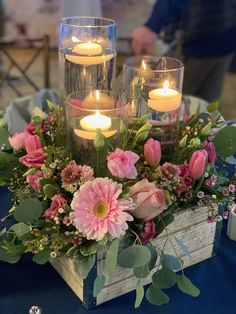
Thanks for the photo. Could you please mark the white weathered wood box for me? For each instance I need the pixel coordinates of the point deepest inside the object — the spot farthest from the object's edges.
(190, 226)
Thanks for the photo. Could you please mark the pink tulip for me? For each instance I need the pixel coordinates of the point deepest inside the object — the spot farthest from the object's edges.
(149, 200)
(152, 152)
(197, 164)
(17, 141)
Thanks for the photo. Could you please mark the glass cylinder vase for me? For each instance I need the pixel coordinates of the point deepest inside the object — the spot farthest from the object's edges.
(87, 54)
(154, 85)
(88, 114)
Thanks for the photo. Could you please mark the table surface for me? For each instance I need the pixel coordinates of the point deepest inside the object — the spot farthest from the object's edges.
(25, 284)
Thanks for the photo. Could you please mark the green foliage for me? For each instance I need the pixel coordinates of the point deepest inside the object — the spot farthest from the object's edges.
(213, 106)
(225, 141)
(186, 286)
(139, 295)
(10, 252)
(111, 256)
(29, 211)
(134, 256)
(164, 278)
(4, 135)
(171, 262)
(20, 229)
(7, 164)
(142, 133)
(155, 296)
(98, 285)
(163, 223)
(50, 190)
(89, 248)
(42, 257)
(85, 264)
(144, 270)
(99, 140)
(182, 246)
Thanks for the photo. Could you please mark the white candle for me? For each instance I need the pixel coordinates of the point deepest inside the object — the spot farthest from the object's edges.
(88, 49)
(164, 99)
(95, 121)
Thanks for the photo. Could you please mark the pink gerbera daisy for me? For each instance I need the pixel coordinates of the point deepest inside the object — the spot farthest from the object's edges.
(98, 211)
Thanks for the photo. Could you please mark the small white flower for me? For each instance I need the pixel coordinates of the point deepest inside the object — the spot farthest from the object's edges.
(206, 175)
(213, 196)
(37, 112)
(200, 194)
(53, 254)
(60, 210)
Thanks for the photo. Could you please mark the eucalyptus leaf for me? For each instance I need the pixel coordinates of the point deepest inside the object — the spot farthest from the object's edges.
(134, 256)
(111, 256)
(225, 142)
(164, 278)
(3, 231)
(10, 253)
(139, 295)
(89, 248)
(20, 229)
(164, 222)
(182, 246)
(186, 286)
(98, 285)
(85, 265)
(144, 270)
(29, 211)
(4, 135)
(156, 297)
(42, 257)
(172, 262)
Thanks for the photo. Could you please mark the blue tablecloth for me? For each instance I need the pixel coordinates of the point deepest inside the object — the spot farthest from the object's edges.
(25, 284)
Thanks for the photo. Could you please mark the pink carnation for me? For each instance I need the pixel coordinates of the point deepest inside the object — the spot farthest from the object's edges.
(98, 211)
(170, 170)
(17, 141)
(58, 201)
(121, 164)
(33, 180)
(74, 173)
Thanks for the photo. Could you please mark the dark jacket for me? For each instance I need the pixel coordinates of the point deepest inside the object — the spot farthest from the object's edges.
(208, 26)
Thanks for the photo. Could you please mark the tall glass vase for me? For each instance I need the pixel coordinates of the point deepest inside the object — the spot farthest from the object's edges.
(154, 85)
(87, 54)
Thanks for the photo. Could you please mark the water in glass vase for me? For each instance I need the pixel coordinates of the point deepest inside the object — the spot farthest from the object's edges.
(85, 72)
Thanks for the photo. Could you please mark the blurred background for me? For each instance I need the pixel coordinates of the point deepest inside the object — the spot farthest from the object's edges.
(29, 59)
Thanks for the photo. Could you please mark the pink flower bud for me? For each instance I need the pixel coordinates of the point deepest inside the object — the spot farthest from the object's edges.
(197, 164)
(152, 152)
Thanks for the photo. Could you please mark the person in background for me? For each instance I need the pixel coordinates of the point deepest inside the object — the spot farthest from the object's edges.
(81, 8)
(208, 29)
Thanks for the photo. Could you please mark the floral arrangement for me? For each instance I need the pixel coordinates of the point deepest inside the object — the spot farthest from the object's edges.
(62, 208)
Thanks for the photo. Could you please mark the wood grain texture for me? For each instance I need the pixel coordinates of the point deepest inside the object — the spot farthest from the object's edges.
(189, 225)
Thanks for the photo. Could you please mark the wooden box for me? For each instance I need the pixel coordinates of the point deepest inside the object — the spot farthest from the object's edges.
(190, 226)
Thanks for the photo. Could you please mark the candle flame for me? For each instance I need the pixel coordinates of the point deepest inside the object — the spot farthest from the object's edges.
(97, 95)
(166, 84)
(144, 65)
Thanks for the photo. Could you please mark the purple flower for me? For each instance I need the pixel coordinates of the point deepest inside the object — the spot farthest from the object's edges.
(148, 232)
(210, 148)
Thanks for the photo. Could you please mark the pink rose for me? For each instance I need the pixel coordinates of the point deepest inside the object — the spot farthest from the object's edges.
(58, 201)
(32, 143)
(33, 159)
(197, 164)
(210, 148)
(149, 200)
(148, 232)
(152, 152)
(33, 180)
(121, 164)
(17, 141)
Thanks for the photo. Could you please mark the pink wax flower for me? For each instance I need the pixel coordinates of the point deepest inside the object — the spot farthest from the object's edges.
(210, 148)
(17, 141)
(197, 164)
(33, 180)
(148, 232)
(32, 143)
(152, 152)
(67, 220)
(58, 201)
(149, 200)
(31, 128)
(121, 164)
(98, 211)
(51, 117)
(170, 170)
(34, 159)
(73, 173)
